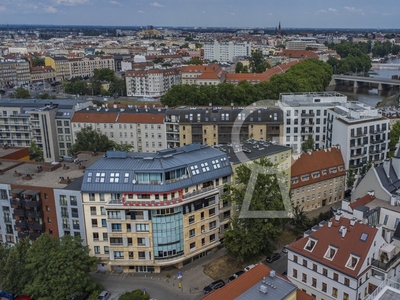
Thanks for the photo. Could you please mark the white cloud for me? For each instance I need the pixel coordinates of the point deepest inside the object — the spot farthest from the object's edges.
(233, 14)
(321, 11)
(332, 9)
(352, 9)
(140, 11)
(156, 4)
(387, 14)
(115, 2)
(203, 11)
(50, 9)
(69, 2)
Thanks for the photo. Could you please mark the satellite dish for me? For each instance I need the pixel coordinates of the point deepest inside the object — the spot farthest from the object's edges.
(133, 181)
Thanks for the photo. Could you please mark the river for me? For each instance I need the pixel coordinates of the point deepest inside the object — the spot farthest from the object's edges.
(370, 96)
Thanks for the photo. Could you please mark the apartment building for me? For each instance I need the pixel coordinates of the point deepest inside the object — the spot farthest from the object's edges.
(151, 83)
(361, 131)
(318, 179)
(226, 50)
(305, 114)
(45, 122)
(216, 125)
(147, 211)
(41, 74)
(42, 197)
(85, 66)
(14, 72)
(61, 66)
(333, 260)
(203, 75)
(142, 128)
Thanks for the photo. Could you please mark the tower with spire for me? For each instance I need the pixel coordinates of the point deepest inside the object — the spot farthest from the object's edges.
(279, 31)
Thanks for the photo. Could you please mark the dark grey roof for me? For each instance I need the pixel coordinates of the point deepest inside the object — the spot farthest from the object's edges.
(391, 183)
(396, 234)
(228, 116)
(195, 158)
(253, 149)
(75, 184)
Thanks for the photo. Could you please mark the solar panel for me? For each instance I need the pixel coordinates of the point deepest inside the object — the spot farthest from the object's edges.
(364, 237)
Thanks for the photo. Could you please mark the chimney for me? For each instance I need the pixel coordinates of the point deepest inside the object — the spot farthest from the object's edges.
(386, 166)
(329, 223)
(353, 221)
(344, 231)
(338, 216)
(371, 193)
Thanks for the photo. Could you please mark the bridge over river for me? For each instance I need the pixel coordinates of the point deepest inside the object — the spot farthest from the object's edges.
(357, 81)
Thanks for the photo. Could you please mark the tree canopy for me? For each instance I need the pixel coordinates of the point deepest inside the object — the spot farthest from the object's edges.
(308, 144)
(21, 93)
(35, 152)
(251, 237)
(310, 75)
(49, 268)
(87, 139)
(394, 138)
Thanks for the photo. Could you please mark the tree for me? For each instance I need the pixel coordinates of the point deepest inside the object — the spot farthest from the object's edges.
(35, 152)
(21, 93)
(308, 144)
(88, 139)
(135, 295)
(13, 276)
(158, 60)
(38, 62)
(300, 222)
(58, 268)
(195, 61)
(394, 138)
(351, 177)
(257, 62)
(251, 237)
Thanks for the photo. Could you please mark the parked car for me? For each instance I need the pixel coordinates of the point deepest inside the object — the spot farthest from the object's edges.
(81, 297)
(249, 267)
(104, 295)
(273, 257)
(236, 275)
(214, 286)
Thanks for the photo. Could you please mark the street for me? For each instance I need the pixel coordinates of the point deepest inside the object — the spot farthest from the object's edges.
(159, 288)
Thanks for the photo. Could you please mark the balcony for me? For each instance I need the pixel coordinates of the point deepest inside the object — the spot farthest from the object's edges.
(34, 236)
(32, 204)
(20, 224)
(15, 201)
(309, 114)
(23, 234)
(385, 266)
(35, 225)
(19, 212)
(376, 141)
(34, 214)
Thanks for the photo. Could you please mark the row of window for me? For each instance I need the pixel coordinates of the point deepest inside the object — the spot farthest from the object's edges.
(313, 186)
(121, 126)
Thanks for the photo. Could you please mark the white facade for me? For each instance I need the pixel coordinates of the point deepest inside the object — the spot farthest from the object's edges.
(226, 51)
(304, 114)
(361, 131)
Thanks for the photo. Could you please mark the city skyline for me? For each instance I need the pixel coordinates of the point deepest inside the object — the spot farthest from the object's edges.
(203, 13)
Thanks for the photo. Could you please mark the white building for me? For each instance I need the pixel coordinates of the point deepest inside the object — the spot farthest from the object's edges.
(334, 259)
(361, 131)
(226, 51)
(305, 114)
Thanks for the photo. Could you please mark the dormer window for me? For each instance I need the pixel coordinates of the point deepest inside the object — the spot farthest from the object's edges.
(332, 170)
(324, 172)
(330, 253)
(352, 262)
(315, 174)
(340, 168)
(295, 180)
(310, 245)
(305, 177)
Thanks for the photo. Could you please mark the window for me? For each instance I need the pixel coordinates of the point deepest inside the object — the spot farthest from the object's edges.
(118, 254)
(95, 236)
(142, 255)
(304, 277)
(114, 177)
(193, 246)
(314, 282)
(294, 273)
(314, 267)
(352, 262)
(345, 296)
(295, 258)
(116, 227)
(192, 233)
(106, 250)
(212, 224)
(96, 249)
(330, 253)
(142, 227)
(335, 276)
(93, 210)
(324, 287)
(104, 222)
(211, 212)
(334, 292)
(94, 222)
(346, 282)
(191, 219)
(310, 245)
(105, 236)
(305, 263)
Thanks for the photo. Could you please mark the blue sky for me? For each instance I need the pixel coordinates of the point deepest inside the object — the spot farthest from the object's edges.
(204, 13)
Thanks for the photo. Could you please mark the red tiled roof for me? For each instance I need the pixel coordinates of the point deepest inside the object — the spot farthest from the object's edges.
(94, 117)
(318, 160)
(141, 118)
(362, 201)
(350, 244)
(298, 53)
(240, 285)
(301, 295)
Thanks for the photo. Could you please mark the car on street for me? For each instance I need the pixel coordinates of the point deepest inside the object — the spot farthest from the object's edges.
(214, 286)
(236, 275)
(104, 295)
(273, 257)
(249, 267)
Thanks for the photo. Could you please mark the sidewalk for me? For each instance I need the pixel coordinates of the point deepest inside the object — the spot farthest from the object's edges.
(192, 282)
(315, 213)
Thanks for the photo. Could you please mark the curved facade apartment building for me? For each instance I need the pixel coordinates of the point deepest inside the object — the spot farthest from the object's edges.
(146, 211)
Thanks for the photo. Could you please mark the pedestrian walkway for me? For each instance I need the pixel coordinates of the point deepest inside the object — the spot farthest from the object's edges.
(315, 213)
(191, 282)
